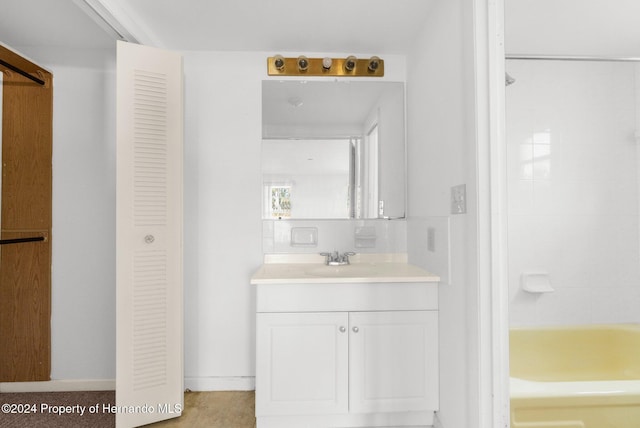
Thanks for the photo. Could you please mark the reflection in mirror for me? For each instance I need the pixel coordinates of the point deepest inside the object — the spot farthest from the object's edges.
(333, 150)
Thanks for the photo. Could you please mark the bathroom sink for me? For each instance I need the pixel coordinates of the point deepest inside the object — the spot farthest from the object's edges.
(366, 268)
(346, 271)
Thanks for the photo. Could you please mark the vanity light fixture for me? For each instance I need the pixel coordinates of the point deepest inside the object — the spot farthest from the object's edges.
(351, 66)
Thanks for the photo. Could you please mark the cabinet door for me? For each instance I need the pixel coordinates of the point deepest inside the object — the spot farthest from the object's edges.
(393, 361)
(302, 363)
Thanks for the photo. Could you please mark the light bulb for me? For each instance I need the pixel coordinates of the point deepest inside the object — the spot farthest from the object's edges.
(350, 63)
(374, 63)
(303, 63)
(278, 61)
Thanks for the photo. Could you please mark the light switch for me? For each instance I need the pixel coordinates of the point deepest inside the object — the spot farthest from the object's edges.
(459, 199)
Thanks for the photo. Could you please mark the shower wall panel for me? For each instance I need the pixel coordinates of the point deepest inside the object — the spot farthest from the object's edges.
(573, 199)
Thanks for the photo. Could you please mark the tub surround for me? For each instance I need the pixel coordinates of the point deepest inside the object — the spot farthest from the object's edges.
(569, 157)
(350, 346)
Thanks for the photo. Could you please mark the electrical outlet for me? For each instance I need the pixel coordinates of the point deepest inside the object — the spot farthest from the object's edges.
(459, 199)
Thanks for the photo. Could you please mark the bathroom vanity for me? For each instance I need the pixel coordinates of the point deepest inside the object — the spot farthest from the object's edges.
(349, 346)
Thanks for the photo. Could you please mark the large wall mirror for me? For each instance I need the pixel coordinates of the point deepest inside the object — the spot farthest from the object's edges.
(333, 150)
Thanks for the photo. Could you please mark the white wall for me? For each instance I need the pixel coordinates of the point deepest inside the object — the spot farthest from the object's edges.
(222, 215)
(573, 191)
(442, 154)
(83, 259)
(223, 226)
(83, 236)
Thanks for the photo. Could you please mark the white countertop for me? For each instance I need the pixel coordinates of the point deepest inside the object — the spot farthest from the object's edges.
(310, 268)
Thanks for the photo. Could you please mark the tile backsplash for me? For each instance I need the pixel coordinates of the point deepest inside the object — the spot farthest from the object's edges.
(314, 236)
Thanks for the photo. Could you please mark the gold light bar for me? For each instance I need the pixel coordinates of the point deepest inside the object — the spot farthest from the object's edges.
(303, 66)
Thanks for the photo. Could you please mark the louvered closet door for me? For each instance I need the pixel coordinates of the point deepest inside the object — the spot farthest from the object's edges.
(149, 363)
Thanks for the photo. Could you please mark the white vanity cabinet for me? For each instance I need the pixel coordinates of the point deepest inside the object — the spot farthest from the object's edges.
(303, 365)
(346, 354)
(393, 361)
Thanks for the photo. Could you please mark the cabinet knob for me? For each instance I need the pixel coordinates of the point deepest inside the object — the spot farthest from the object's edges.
(355, 329)
(342, 329)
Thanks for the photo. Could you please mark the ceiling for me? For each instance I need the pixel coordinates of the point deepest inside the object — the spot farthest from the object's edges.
(358, 26)
(46, 23)
(341, 107)
(606, 28)
(552, 27)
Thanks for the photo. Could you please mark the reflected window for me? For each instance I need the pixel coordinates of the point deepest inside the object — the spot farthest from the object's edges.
(280, 202)
(535, 156)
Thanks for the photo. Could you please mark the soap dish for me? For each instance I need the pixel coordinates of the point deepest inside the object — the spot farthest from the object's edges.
(536, 282)
(304, 237)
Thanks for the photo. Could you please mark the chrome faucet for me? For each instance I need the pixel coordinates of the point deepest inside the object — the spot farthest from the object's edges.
(337, 259)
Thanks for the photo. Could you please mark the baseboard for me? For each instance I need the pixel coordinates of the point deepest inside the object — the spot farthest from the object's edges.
(193, 383)
(422, 419)
(247, 383)
(60, 385)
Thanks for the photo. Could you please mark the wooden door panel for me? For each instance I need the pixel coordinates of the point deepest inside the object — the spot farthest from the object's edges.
(27, 114)
(25, 268)
(25, 309)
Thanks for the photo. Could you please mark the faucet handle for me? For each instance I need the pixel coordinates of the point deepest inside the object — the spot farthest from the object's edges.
(345, 256)
(327, 257)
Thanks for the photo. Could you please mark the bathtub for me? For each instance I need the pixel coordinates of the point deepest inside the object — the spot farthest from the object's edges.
(575, 377)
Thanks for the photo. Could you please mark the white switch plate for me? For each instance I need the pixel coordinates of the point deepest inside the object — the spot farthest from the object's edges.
(459, 199)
